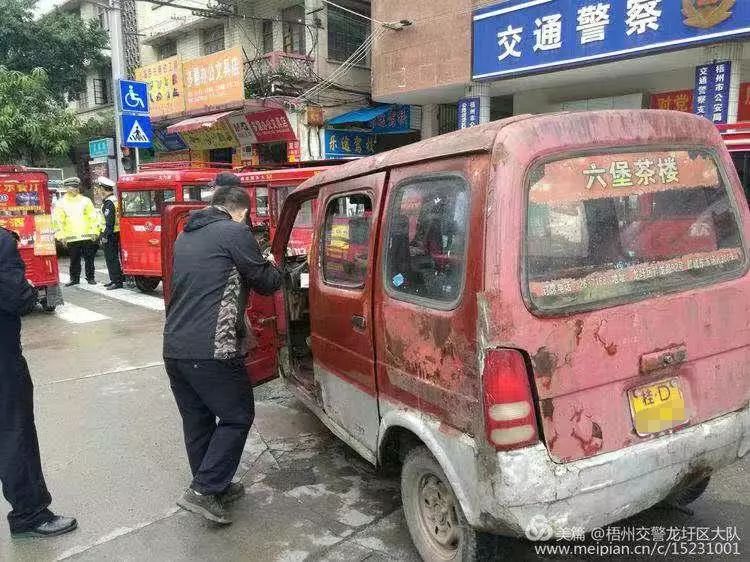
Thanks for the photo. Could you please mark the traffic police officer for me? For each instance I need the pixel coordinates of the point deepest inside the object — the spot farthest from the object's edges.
(20, 466)
(110, 238)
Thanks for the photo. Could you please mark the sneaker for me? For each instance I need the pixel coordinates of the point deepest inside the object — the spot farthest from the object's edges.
(114, 286)
(71, 283)
(207, 506)
(91, 281)
(56, 526)
(234, 491)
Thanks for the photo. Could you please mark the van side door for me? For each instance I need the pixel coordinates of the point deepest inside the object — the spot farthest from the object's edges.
(341, 307)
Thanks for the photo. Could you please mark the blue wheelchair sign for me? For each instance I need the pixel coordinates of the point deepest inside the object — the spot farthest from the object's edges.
(136, 131)
(133, 96)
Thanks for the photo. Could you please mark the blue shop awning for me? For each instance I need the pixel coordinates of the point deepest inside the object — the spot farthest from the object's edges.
(360, 116)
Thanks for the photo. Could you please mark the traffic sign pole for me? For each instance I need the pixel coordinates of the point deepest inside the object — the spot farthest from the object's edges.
(118, 70)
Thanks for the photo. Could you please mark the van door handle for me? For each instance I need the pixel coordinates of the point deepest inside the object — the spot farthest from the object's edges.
(359, 322)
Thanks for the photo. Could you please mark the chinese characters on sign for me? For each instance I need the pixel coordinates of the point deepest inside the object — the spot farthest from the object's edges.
(645, 172)
(271, 125)
(524, 37)
(217, 136)
(20, 197)
(468, 113)
(712, 83)
(397, 120)
(214, 81)
(165, 86)
(349, 143)
(676, 101)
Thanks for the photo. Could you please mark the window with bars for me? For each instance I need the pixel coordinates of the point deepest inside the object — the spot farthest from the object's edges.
(166, 50)
(294, 29)
(101, 14)
(102, 94)
(346, 33)
(213, 40)
(267, 36)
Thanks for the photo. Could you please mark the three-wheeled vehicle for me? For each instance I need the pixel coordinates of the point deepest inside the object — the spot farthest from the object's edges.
(141, 197)
(542, 321)
(26, 208)
(267, 189)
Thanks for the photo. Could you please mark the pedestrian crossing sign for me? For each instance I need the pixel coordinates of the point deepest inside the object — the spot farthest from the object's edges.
(137, 131)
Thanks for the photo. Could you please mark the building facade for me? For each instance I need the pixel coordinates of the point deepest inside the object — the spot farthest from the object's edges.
(468, 62)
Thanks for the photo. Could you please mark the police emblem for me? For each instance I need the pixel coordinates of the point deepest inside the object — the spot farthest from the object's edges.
(705, 14)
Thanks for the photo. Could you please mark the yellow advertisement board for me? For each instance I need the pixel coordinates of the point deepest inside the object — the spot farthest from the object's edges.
(166, 89)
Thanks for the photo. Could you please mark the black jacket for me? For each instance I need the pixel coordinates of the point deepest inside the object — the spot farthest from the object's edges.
(216, 262)
(109, 210)
(17, 296)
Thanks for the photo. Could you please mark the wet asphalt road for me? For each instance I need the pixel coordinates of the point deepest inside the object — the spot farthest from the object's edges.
(113, 456)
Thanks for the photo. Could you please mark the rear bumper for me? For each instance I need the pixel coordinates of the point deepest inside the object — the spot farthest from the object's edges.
(594, 492)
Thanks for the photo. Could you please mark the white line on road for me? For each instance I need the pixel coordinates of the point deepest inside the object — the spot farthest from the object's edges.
(77, 314)
(122, 369)
(125, 295)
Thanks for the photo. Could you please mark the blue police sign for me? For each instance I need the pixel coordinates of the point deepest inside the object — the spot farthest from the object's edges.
(711, 97)
(134, 96)
(136, 131)
(468, 112)
(521, 37)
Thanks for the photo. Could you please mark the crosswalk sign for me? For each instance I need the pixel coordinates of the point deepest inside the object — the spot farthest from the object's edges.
(136, 131)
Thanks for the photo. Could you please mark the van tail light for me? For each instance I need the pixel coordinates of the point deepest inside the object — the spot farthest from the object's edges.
(510, 417)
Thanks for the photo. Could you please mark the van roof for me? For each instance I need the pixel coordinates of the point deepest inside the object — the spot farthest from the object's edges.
(638, 126)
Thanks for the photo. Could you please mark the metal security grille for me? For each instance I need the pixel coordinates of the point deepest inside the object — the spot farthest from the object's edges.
(213, 40)
(346, 33)
(447, 118)
(101, 91)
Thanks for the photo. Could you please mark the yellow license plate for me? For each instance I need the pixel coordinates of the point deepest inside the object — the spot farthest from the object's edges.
(657, 407)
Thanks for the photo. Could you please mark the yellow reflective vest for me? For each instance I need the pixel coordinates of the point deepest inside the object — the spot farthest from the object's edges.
(76, 219)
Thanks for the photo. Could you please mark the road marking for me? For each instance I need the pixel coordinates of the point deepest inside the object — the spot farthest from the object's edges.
(125, 295)
(77, 314)
(117, 371)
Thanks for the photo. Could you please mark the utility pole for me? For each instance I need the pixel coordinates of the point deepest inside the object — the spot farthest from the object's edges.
(118, 69)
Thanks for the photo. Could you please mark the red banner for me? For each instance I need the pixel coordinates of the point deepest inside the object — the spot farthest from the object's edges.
(681, 100)
(271, 125)
(20, 196)
(744, 110)
(23, 226)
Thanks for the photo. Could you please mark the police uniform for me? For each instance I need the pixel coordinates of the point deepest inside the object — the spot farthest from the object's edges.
(111, 235)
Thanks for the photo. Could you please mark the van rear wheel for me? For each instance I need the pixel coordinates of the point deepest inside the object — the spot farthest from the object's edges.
(436, 522)
(147, 284)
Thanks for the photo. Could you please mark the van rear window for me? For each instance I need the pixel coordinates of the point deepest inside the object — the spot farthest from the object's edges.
(615, 227)
(145, 203)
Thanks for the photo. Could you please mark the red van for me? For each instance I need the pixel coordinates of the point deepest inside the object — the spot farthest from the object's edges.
(542, 320)
(141, 197)
(26, 209)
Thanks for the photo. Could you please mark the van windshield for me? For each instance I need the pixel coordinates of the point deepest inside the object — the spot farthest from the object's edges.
(614, 227)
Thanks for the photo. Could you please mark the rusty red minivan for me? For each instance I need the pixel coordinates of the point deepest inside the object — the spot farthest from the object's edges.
(545, 316)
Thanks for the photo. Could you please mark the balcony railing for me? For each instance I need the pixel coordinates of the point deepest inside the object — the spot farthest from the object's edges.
(279, 73)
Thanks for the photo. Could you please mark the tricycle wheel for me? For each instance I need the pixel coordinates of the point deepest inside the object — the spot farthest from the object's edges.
(434, 516)
(48, 307)
(147, 284)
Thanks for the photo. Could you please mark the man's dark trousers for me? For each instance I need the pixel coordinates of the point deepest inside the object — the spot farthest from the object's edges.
(112, 254)
(87, 250)
(204, 391)
(20, 465)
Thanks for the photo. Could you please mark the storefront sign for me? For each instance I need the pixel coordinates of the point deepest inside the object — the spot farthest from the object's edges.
(349, 143)
(397, 120)
(271, 125)
(101, 148)
(165, 87)
(676, 101)
(217, 136)
(242, 130)
(468, 113)
(532, 36)
(214, 81)
(711, 96)
(165, 141)
(20, 197)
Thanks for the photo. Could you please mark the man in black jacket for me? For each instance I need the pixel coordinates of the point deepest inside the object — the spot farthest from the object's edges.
(20, 465)
(216, 262)
(111, 235)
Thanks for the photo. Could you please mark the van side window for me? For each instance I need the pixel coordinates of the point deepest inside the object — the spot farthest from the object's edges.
(145, 203)
(346, 240)
(426, 238)
(197, 193)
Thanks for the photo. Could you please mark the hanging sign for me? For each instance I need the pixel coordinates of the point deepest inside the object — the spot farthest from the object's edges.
(219, 135)
(214, 81)
(271, 125)
(711, 96)
(166, 92)
(349, 143)
(681, 100)
(468, 113)
(242, 130)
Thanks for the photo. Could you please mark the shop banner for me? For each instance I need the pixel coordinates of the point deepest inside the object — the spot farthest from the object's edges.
(349, 143)
(44, 236)
(520, 37)
(468, 113)
(214, 81)
(712, 83)
(242, 130)
(217, 136)
(293, 152)
(397, 120)
(21, 196)
(168, 142)
(166, 91)
(271, 125)
(681, 100)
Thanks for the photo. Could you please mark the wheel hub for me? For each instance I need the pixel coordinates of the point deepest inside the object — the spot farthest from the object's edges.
(438, 513)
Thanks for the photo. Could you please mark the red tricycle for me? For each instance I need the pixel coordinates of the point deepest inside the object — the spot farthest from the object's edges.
(26, 209)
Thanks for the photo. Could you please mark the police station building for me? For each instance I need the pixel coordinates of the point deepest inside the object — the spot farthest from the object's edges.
(468, 62)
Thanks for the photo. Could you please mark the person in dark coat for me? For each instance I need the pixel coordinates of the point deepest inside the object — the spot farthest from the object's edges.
(216, 262)
(110, 238)
(20, 465)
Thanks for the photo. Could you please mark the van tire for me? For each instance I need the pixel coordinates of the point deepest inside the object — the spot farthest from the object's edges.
(690, 493)
(434, 516)
(147, 284)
